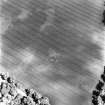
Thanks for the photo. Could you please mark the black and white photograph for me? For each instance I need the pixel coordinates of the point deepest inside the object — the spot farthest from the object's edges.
(52, 52)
